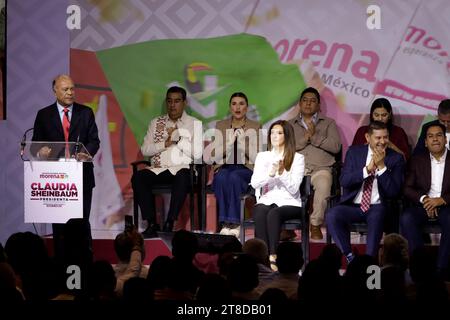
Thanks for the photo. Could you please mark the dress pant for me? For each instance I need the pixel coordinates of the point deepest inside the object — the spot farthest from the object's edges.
(268, 220)
(412, 221)
(321, 181)
(144, 180)
(340, 218)
(229, 183)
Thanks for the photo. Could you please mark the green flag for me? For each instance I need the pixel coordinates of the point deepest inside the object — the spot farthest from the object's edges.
(209, 69)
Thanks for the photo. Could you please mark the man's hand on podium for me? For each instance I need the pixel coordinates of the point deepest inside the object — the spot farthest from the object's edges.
(81, 156)
(44, 152)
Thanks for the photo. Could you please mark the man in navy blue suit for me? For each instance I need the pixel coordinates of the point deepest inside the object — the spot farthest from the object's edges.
(372, 174)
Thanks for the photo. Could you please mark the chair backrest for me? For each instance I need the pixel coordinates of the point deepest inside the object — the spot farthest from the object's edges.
(336, 175)
(305, 189)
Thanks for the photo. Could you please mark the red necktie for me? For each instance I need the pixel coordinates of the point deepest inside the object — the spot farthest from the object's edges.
(66, 124)
(66, 128)
(367, 192)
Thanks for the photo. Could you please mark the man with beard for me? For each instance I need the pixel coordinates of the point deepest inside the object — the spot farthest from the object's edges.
(371, 175)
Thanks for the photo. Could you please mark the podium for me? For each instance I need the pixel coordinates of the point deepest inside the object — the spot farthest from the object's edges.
(53, 180)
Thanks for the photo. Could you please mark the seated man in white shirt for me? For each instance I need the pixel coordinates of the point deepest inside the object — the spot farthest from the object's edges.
(172, 141)
(427, 187)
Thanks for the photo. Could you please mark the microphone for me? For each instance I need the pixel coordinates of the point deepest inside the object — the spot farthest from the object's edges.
(77, 146)
(23, 143)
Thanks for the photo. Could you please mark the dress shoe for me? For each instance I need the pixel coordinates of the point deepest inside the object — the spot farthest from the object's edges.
(235, 230)
(168, 226)
(287, 235)
(151, 231)
(316, 233)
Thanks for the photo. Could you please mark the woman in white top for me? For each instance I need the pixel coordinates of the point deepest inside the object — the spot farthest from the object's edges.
(278, 173)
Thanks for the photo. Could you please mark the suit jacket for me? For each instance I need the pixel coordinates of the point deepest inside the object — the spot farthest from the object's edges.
(418, 178)
(420, 146)
(251, 145)
(389, 183)
(48, 127)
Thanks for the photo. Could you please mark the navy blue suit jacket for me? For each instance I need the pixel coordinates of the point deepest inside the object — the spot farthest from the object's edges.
(389, 183)
(48, 127)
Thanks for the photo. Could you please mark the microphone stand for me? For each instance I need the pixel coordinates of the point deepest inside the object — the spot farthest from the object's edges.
(77, 147)
(22, 150)
(23, 144)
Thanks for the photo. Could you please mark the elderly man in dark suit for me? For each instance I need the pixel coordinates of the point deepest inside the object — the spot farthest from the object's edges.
(49, 126)
(66, 120)
(427, 188)
(372, 174)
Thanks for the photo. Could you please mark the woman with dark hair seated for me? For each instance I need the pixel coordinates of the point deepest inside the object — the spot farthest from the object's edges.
(278, 173)
(238, 137)
(381, 110)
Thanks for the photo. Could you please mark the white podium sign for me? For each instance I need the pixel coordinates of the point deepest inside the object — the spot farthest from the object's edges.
(53, 191)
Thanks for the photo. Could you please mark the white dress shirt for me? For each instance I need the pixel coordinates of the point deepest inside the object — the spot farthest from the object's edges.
(375, 198)
(61, 111)
(437, 175)
(179, 155)
(282, 190)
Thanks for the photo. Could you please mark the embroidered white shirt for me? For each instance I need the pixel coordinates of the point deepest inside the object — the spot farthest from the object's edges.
(189, 147)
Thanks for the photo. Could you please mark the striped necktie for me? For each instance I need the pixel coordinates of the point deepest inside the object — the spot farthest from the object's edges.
(367, 192)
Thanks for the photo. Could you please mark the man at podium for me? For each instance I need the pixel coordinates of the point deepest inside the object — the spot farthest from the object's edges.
(68, 121)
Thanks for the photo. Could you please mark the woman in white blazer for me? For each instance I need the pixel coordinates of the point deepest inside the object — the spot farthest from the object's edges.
(276, 178)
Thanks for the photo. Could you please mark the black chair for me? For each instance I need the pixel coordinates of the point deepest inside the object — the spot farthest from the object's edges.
(205, 190)
(195, 178)
(302, 223)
